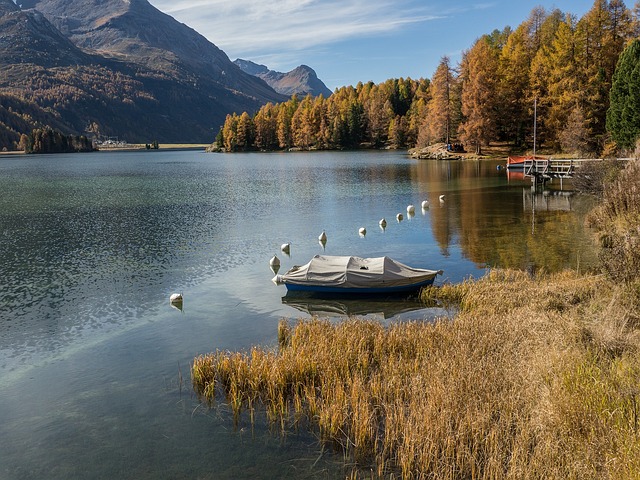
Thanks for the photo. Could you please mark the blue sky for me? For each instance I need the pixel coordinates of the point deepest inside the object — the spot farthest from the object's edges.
(347, 41)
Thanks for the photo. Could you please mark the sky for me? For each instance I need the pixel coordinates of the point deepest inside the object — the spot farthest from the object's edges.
(348, 41)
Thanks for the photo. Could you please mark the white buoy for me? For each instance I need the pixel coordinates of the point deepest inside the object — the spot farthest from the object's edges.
(274, 262)
(175, 298)
(382, 223)
(411, 209)
(441, 198)
(286, 247)
(399, 217)
(323, 237)
(425, 204)
(362, 231)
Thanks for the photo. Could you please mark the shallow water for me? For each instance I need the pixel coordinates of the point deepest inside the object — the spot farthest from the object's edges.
(94, 362)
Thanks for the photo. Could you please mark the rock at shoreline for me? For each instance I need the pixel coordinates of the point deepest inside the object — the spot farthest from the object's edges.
(437, 151)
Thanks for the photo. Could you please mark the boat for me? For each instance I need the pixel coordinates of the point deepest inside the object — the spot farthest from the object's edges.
(515, 162)
(355, 275)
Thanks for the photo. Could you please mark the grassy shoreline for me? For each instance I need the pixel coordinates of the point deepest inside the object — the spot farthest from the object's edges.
(535, 377)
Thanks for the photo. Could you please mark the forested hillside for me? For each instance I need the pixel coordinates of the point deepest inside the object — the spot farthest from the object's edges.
(562, 64)
(113, 68)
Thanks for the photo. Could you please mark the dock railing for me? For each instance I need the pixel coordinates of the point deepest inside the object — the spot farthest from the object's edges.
(543, 170)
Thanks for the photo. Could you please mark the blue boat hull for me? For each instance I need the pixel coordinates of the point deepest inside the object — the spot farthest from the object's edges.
(294, 287)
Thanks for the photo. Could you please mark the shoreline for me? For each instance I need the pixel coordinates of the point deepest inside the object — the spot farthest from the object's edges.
(128, 148)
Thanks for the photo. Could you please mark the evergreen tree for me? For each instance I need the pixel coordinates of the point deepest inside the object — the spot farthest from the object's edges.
(623, 116)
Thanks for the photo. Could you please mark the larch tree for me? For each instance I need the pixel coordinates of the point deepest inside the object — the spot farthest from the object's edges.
(285, 114)
(558, 76)
(302, 131)
(440, 116)
(479, 77)
(518, 87)
(515, 88)
(245, 132)
(230, 133)
(265, 121)
(379, 112)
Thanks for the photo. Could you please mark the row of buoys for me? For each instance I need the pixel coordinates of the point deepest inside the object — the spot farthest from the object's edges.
(274, 263)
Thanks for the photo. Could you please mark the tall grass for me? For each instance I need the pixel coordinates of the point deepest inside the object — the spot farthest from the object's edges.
(617, 220)
(535, 378)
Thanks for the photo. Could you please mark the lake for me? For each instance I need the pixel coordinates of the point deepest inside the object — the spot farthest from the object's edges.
(94, 361)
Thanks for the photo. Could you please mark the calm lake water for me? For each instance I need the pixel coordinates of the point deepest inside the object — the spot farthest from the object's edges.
(94, 362)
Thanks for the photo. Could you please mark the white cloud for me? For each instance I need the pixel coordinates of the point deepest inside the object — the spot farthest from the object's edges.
(257, 28)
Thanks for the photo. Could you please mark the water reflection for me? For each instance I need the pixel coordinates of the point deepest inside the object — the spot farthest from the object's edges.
(347, 306)
(509, 227)
(548, 200)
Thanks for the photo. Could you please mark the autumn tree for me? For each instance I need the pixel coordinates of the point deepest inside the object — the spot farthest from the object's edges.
(265, 121)
(245, 132)
(230, 133)
(557, 76)
(440, 121)
(517, 86)
(478, 74)
(379, 112)
(285, 115)
(302, 129)
(574, 137)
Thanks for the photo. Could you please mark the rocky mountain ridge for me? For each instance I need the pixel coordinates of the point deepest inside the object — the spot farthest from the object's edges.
(301, 81)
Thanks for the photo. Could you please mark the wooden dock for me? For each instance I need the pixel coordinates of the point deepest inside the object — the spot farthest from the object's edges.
(542, 170)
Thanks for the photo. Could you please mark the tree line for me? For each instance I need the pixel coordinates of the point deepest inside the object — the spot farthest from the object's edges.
(561, 64)
(47, 140)
(374, 115)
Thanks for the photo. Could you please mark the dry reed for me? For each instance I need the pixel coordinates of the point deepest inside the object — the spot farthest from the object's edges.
(617, 220)
(535, 378)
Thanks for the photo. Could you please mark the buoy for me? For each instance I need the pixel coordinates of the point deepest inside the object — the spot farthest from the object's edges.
(411, 209)
(425, 204)
(399, 217)
(175, 298)
(286, 247)
(362, 231)
(382, 223)
(441, 198)
(323, 237)
(274, 263)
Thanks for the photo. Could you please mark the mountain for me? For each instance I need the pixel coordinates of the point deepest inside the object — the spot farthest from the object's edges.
(121, 68)
(301, 80)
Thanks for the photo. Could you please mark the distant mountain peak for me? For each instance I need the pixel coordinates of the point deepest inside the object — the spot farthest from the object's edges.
(301, 81)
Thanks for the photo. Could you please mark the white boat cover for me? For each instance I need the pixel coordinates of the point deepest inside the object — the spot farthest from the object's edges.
(355, 272)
